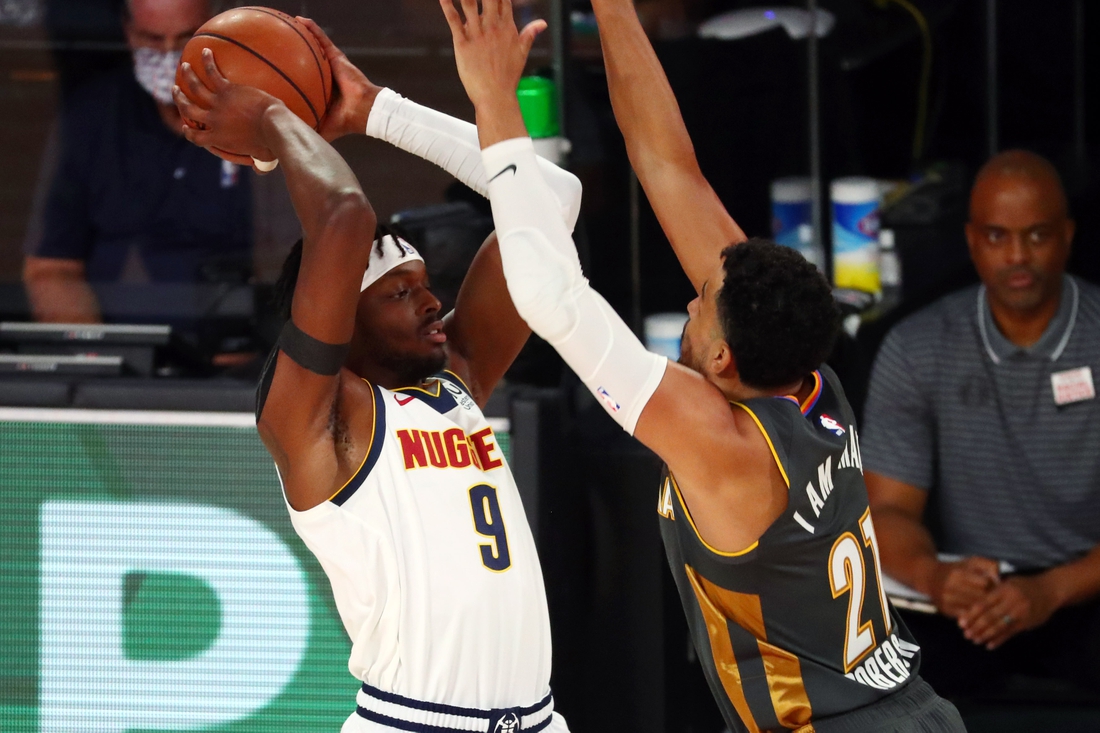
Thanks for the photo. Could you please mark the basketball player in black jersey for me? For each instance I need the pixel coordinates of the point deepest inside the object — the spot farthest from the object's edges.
(776, 559)
(763, 509)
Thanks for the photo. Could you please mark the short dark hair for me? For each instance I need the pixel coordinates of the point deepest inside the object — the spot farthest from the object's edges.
(778, 313)
(283, 295)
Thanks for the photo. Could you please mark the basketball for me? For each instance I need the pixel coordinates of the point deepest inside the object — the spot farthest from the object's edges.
(264, 48)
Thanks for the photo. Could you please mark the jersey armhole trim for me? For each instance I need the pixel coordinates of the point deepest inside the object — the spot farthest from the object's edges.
(687, 513)
(439, 399)
(374, 450)
(461, 383)
(767, 437)
(436, 393)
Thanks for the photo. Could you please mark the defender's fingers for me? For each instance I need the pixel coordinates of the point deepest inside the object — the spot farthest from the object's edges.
(196, 91)
(529, 33)
(473, 18)
(454, 20)
(213, 73)
(188, 109)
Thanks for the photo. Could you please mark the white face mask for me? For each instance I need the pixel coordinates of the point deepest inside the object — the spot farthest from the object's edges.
(156, 72)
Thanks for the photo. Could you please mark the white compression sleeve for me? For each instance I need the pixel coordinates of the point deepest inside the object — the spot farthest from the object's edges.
(551, 293)
(452, 145)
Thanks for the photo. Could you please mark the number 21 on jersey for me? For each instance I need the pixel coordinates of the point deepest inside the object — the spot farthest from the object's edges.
(489, 522)
(848, 575)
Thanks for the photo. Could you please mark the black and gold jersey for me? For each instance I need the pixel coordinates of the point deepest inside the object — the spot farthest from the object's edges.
(795, 627)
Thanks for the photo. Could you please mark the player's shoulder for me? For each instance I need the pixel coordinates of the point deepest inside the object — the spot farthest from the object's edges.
(757, 425)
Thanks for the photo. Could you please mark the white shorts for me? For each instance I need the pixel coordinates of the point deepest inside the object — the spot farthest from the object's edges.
(378, 711)
(358, 724)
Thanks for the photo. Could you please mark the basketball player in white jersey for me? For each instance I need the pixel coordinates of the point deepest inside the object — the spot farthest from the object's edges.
(371, 408)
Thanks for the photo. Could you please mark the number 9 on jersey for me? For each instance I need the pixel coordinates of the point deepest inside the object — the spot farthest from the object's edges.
(489, 522)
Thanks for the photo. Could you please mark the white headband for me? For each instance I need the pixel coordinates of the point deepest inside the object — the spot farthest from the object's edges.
(392, 252)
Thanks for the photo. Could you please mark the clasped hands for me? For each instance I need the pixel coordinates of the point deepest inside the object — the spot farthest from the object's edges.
(990, 609)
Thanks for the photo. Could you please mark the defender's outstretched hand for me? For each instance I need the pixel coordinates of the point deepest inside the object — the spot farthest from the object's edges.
(228, 114)
(353, 95)
(491, 54)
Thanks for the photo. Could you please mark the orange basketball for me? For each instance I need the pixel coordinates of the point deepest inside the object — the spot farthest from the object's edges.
(269, 50)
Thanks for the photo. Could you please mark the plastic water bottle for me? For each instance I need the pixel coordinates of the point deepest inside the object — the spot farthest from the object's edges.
(792, 217)
(538, 103)
(889, 269)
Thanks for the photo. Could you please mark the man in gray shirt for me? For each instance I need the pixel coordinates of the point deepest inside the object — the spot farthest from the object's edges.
(982, 408)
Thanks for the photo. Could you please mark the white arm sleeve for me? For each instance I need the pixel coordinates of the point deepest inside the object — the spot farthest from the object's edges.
(452, 145)
(551, 293)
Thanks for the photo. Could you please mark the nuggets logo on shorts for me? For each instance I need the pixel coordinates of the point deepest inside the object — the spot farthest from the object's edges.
(509, 723)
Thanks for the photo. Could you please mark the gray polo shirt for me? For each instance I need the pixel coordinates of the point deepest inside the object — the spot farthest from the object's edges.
(955, 407)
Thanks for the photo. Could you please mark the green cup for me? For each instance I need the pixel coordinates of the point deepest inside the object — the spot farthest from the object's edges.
(538, 103)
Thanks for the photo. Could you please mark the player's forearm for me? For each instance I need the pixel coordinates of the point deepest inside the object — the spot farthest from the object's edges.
(660, 149)
(544, 278)
(452, 144)
(1077, 581)
(320, 183)
(645, 107)
(522, 203)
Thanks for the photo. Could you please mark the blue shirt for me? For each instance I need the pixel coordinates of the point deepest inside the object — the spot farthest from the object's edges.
(126, 184)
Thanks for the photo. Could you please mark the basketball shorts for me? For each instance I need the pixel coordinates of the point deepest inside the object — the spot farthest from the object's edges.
(916, 708)
(379, 711)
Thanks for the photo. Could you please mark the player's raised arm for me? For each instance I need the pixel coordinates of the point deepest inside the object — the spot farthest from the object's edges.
(484, 332)
(338, 224)
(361, 106)
(674, 410)
(661, 153)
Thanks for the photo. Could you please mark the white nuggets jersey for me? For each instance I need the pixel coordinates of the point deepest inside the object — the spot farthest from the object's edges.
(431, 560)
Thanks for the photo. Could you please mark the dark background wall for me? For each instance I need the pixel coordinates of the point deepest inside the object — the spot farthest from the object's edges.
(744, 103)
(745, 106)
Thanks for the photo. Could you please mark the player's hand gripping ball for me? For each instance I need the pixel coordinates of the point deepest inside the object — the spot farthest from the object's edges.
(271, 51)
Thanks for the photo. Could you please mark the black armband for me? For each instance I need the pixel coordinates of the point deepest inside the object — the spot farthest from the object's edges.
(311, 354)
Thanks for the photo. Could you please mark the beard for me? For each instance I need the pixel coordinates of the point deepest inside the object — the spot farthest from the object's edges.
(411, 369)
(687, 356)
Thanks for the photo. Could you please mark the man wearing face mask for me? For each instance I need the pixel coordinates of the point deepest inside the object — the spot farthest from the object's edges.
(131, 201)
